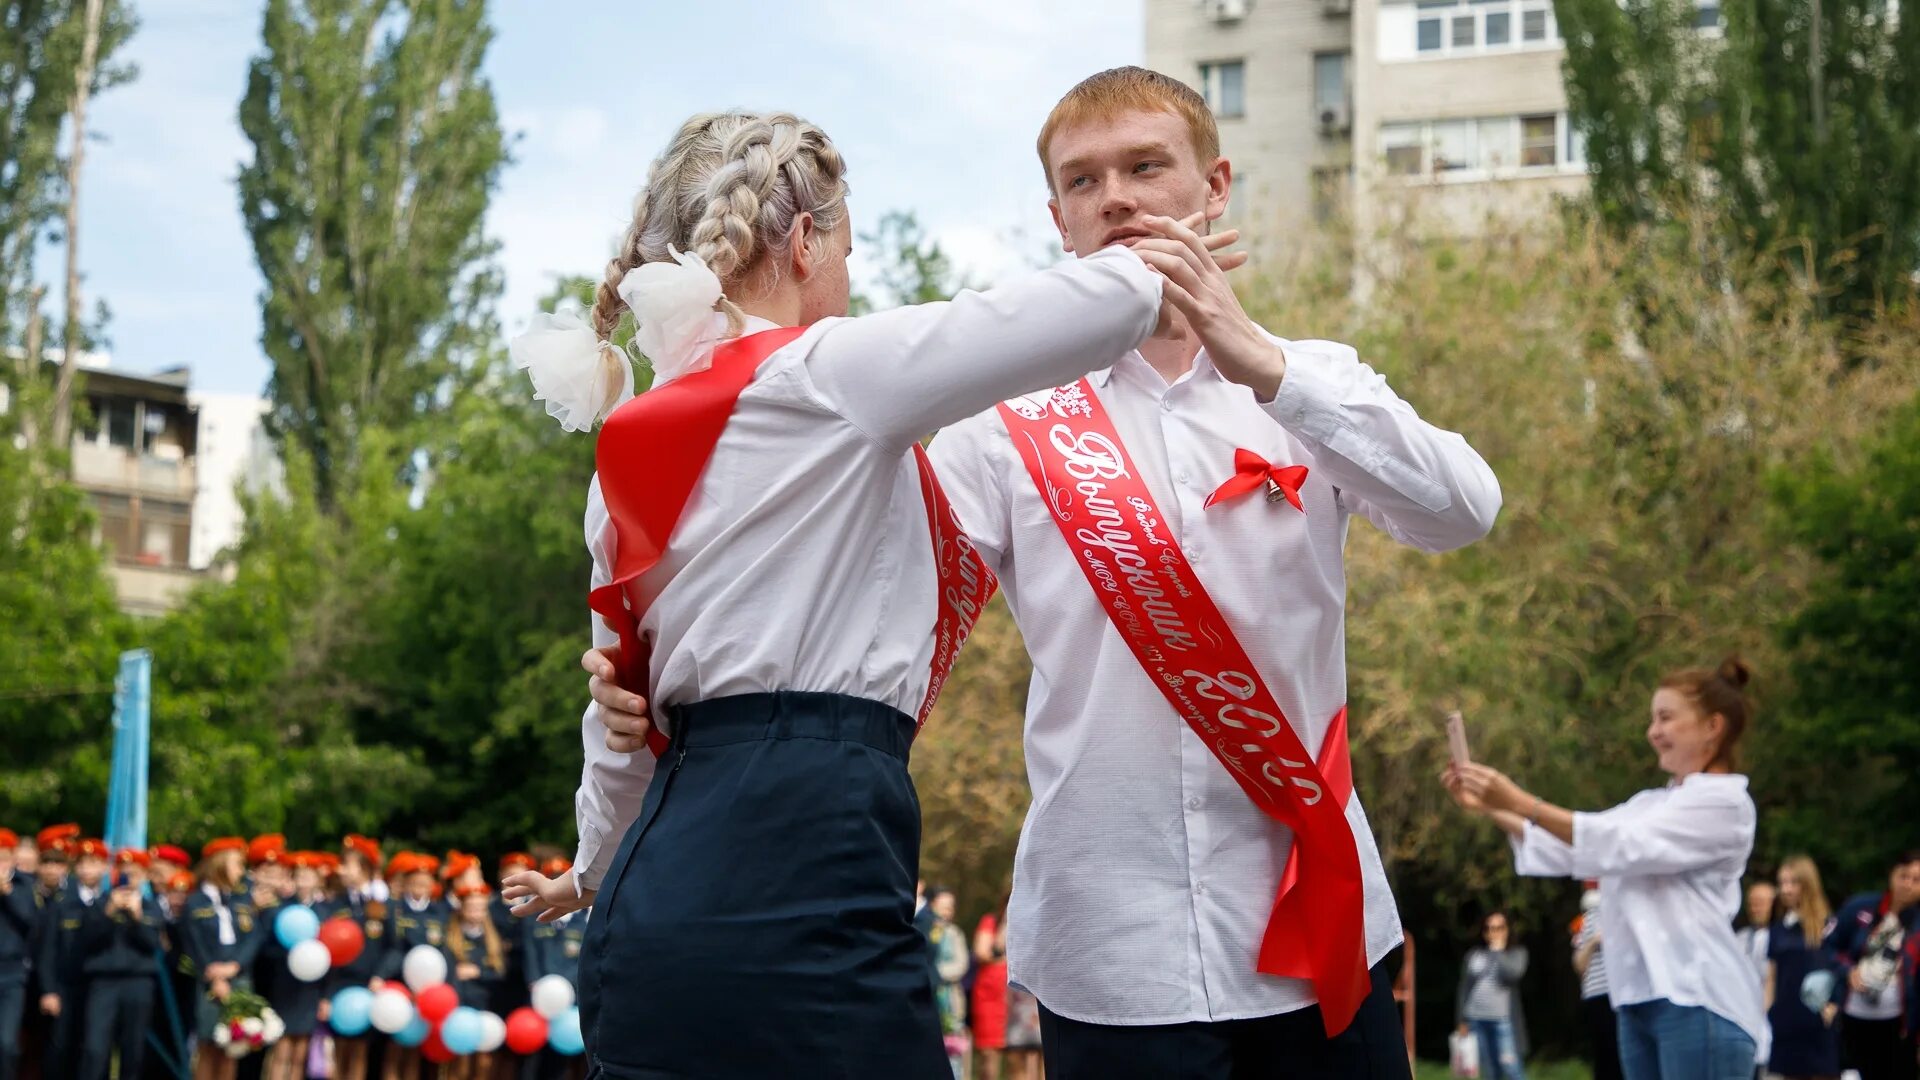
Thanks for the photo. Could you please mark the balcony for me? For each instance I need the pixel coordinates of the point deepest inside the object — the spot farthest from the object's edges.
(114, 468)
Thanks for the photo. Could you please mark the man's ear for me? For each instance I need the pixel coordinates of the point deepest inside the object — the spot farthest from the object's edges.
(1066, 242)
(1219, 188)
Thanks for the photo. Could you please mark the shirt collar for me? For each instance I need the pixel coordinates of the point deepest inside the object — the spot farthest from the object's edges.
(1202, 368)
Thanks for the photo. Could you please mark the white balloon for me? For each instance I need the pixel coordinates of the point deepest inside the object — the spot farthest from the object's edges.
(309, 961)
(552, 995)
(391, 1011)
(424, 966)
(493, 1032)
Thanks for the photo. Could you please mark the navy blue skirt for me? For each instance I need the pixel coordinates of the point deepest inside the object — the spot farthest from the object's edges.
(757, 920)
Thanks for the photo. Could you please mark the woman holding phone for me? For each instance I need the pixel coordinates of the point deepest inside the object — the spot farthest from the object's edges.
(1669, 861)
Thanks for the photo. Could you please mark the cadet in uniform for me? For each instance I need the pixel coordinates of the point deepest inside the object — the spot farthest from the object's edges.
(119, 945)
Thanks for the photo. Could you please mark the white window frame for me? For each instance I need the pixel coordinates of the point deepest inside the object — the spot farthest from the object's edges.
(1213, 86)
(1396, 21)
(1570, 157)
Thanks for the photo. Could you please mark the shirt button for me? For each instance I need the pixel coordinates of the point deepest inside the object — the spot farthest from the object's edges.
(1194, 803)
(1184, 477)
(1199, 890)
(1166, 404)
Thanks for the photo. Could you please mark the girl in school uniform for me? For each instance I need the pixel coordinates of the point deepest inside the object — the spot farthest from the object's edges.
(362, 898)
(786, 585)
(478, 965)
(297, 1003)
(220, 937)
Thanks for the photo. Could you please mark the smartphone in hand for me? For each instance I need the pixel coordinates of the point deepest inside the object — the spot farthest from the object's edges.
(1457, 739)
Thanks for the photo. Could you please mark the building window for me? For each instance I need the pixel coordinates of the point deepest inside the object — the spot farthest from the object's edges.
(1456, 145)
(1539, 140)
(1330, 89)
(119, 423)
(1463, 31)
(1499, 143)
(1466, 28)
(1533, 25)
(1404, 147)
(1429, 35)
(1224, 84)
(1706, 15)
(1499, 27)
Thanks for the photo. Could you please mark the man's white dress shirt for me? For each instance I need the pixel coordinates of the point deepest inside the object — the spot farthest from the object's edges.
(1145, 875)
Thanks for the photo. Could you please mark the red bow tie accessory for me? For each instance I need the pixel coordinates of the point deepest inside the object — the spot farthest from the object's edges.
(1250, 471)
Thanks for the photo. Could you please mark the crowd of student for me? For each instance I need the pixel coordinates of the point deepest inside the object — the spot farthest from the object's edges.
(125, 958)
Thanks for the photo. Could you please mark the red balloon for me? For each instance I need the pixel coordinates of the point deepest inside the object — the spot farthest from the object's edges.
(434, 1050)
(436, 1003)
(526, 1031)
(343, 940)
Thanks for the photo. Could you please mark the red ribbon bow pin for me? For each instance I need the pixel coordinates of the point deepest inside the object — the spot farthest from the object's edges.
(1250, 470)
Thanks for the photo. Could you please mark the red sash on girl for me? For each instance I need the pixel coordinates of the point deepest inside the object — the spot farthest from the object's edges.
(650, 455)
(1151, 593)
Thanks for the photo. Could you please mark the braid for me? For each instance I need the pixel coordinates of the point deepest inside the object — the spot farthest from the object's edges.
(607, 305)
(753, 159)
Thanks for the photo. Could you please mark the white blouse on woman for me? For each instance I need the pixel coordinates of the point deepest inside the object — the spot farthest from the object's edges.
(1669, 862)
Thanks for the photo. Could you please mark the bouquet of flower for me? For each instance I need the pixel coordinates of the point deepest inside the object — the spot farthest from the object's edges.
(246, 1024)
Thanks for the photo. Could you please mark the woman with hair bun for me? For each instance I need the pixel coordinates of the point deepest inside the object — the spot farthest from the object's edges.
(1669, 862)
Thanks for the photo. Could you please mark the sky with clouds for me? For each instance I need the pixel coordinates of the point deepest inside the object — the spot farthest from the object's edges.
(934, 104)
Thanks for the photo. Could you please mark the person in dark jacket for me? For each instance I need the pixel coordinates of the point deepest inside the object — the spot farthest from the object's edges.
(18, 917)
(1487, 1004)
(297, 1002)
(513, 992)
(119, 945)
(58, 958)
(220, 936)
(360, 901)
(1804, 1041)
(414, 918)
(1876, 944)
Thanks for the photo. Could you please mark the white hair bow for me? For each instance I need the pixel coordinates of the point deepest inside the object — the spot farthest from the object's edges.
(583, 379)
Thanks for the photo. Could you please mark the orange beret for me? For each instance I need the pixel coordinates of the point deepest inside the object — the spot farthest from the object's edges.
(171, 854)
(8, 839)
(224, 843)
(181, 881)
(515, 859)
(90, 848)
(473, 889)
(132, 855)
(405, 862)
(426, 864)
(368, 847)
(556, 867)
(57, 837)
(270, 848)
(458, 863)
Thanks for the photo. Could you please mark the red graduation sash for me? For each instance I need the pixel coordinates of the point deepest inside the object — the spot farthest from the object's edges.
(1147, 588)
(650, 455)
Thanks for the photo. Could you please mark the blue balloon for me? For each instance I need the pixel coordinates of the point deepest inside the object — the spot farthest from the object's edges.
(414, 1033)
(564, 1033)
(296, 923)
(462, 1030)
(352, 1011)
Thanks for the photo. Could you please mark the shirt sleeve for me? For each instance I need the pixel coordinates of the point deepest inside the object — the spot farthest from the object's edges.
(1687, 831)
(1539, 853)
(965, 459)
(612, 786)
(898, 375)
(1422, 486)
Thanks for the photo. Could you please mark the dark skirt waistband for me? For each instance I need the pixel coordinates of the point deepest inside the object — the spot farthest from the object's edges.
(791, 714)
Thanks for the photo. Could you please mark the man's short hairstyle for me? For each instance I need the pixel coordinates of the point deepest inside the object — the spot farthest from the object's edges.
(1132, 89)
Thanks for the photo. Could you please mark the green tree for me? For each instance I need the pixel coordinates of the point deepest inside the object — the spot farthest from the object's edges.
(1850, 732)
(1822, 141)
(376, 146)
(59, 642)
(1801, 124)
(910, 268)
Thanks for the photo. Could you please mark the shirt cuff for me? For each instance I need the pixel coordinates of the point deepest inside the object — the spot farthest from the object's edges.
(1307, 403)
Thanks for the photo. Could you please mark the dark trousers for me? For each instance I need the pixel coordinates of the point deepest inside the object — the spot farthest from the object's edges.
(1290, 1045)
(1603, 1034)
(13, 1006)
(61, 1059)
(1877, 1049)
(119, 1012)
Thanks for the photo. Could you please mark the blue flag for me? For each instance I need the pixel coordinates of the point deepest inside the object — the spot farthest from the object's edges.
(127, 790)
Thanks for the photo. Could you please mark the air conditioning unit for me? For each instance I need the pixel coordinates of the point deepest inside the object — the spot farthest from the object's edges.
(1335, 120)
(1336, 7)
(1225, 10)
